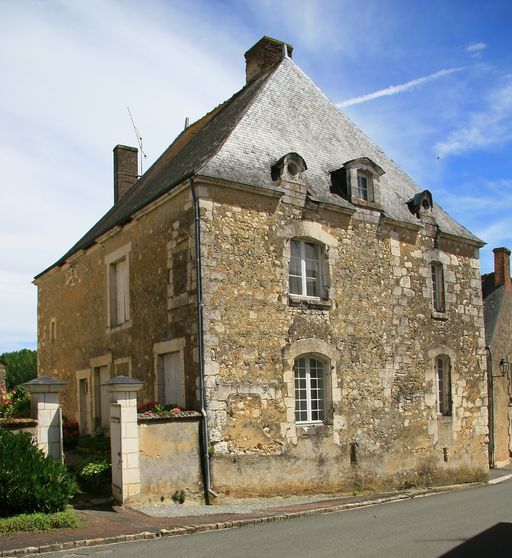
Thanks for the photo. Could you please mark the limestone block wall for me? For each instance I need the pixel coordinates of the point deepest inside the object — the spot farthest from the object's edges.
(169, 457)
(74, 331)
(376, 329)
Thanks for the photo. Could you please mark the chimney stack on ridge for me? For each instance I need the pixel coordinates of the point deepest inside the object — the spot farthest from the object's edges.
(502, 268)
(263, 56)
(126, 171)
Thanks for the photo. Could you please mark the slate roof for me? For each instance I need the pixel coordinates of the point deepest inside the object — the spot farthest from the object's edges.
(281, 112)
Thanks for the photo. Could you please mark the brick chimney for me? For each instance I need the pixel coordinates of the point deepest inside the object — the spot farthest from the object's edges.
(125, 169)
(263, 56)
(502, 268)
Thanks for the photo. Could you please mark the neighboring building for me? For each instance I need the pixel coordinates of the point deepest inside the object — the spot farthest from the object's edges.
(340, 342)
(497, 293)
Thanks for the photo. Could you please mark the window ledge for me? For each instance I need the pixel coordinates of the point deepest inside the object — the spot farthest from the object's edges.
(439, 315)
(318, 428)
(315, 303)
(368, 204)
(120, 327)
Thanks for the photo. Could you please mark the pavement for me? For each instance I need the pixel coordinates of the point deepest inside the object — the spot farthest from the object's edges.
(107, 524)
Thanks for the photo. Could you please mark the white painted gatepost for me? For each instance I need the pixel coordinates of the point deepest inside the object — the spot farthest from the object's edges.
(44, 392)
(124, 437)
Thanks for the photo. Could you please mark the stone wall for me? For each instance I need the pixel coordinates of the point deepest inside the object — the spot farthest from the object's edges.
(169, 458)
(501, 348)
(376, 330)
(75, 298)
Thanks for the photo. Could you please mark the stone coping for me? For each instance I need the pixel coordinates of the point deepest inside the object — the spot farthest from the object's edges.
(17, 422)
(168, 417)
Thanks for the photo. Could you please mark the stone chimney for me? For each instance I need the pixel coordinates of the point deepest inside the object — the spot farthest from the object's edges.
(125, 169)
(502, 268)
(263, 56)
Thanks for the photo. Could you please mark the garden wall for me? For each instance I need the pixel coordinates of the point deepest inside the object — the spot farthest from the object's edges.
(19, 425)
(169, 457)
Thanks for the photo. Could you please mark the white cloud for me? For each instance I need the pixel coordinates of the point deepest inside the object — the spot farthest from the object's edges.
(396, 89)
(71, 71)
(485, 129)
(476, 47)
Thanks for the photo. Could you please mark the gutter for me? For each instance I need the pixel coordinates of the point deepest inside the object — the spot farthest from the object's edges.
(205, 457)
(490, 388)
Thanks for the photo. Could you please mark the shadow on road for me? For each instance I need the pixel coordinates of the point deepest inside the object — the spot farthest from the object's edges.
(493, 542)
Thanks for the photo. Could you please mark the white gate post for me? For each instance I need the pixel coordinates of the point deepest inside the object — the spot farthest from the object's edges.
(124, 437)
(44, 393)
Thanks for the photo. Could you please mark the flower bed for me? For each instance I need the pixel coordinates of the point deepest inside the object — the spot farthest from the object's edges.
(155, 411)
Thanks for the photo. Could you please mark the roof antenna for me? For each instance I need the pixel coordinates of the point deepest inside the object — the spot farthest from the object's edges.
(187, 123)
(139, 139)
(285, 50)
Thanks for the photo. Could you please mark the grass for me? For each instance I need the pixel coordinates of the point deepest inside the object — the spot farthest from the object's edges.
(39, 522)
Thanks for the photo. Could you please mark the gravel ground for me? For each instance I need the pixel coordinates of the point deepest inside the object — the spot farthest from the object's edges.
(240, 506)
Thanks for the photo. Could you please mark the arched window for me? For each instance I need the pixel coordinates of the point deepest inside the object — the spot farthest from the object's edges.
(443, 375)
(305, 268)
(309, 389)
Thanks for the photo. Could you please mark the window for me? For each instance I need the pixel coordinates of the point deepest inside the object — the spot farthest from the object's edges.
(309, 390)
(118, 287)
(364, 190)
(305, 277)
(171, 379)
(443, 385)
(53, 329)
(438, 299)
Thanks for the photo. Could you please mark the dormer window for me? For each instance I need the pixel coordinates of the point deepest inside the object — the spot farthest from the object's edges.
(290, 167)
(363, 187)
(421, 203)
(357, 182)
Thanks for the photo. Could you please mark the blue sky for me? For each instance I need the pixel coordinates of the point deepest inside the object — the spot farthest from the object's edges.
(429, 82)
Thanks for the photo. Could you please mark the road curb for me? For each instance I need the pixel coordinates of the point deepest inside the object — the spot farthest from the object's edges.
(235, 523)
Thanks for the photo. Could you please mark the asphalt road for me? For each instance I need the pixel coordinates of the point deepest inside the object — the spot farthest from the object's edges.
(462, 523)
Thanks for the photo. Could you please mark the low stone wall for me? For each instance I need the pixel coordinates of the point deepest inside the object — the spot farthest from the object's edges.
(19, 425)
(169, 457)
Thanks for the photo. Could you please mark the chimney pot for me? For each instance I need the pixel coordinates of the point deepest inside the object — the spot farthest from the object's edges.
(125, 169)
(264, 55)
(502, 268)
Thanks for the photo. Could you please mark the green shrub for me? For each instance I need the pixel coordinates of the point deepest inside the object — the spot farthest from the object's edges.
(40, 522)
(96, 476)
(31, 481)
(94, 444)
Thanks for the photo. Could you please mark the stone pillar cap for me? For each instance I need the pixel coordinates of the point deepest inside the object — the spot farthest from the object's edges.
(45, 384)
(123, 383)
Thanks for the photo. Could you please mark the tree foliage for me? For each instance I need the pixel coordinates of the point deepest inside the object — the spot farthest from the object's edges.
(20, 366)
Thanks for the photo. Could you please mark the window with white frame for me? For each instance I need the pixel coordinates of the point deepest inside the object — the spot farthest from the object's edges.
(309, 390)
(305, 268)
(443, 385)
(438, 298)
(364, 187)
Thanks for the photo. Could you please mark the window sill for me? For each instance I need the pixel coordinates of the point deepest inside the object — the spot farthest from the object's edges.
(439, 315)
(120, 327)
(309, 302)
(367, 204)
(318, 428)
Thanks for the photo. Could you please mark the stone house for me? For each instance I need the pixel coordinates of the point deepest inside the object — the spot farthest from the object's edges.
(277, 271)
(497, 295)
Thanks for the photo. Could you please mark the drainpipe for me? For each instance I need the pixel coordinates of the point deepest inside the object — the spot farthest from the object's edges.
(490, 388)
(205, 458)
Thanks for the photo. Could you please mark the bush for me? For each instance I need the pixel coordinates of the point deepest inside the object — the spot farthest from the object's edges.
(40, 522)
(94, 444)
(15, 403)
(96, 476)
(31, 481)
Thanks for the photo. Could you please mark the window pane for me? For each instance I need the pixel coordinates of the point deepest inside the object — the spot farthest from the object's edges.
(312, 287)
(295, 285)
(311, 251)
(295, 249)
